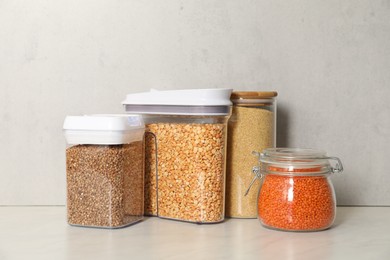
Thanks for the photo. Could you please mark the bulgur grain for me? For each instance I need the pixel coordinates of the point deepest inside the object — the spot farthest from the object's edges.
(250, 129)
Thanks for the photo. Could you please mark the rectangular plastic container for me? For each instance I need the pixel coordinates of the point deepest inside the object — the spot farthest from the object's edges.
(104, 170)
(185, 159)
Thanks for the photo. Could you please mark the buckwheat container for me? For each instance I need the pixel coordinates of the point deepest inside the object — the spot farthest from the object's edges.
(104, 170)
(185, 152)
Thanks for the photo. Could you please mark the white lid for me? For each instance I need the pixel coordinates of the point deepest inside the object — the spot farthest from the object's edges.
(103, 129)
(180, 102)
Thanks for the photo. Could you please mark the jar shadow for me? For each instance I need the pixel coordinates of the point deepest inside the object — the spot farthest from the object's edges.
(343, 213)
(282, 125)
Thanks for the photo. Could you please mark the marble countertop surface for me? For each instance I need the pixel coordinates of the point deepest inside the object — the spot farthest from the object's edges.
(43, 233)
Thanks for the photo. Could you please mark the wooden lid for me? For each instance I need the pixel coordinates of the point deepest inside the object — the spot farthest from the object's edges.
(253, 94)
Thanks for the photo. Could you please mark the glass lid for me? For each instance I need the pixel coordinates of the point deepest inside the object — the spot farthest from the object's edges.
(298, 160)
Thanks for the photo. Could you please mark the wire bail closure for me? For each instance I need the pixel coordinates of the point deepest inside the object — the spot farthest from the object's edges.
(256, 172)
(338, 167)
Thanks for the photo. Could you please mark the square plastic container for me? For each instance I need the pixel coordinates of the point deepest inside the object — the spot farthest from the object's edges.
(185, 159)
(104, 170)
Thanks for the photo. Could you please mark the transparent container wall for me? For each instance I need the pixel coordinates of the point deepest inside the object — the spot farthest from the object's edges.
(105, 184)
(252, 127)
(191, 156)
(296, 203)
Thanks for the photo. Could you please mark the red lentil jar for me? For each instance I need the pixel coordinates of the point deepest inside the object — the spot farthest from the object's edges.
(296, 193)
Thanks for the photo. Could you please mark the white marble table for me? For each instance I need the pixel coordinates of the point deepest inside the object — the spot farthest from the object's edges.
(42, 233)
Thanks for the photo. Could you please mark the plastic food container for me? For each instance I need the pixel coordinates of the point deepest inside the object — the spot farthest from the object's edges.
(104, 170)
(252, 127)
(296, 192)
(185, 152)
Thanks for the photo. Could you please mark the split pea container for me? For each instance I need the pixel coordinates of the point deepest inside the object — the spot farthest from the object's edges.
(296, 192)
(104, 170)
(185, 152)
(252, 127)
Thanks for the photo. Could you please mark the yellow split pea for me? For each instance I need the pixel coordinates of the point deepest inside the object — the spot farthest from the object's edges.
(190, 171)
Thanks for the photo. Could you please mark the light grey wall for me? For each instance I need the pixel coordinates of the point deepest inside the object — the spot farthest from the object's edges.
(329, 61)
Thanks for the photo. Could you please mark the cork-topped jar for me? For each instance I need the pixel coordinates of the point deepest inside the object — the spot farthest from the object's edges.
(252, 127)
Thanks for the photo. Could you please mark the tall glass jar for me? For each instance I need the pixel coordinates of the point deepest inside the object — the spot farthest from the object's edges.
(252, 127)
(296, 192)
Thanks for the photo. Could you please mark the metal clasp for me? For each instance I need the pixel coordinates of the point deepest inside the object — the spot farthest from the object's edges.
(338, 168)
(256, 172)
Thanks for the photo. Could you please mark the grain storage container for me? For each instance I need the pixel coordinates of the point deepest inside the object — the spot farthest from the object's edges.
(185, 152)
(296, 192)
(252, 127)
(104, 170)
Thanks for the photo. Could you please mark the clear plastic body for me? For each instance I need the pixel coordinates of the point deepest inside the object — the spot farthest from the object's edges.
(105, 184)
(296, 193)
(252, 127)
(190, 164)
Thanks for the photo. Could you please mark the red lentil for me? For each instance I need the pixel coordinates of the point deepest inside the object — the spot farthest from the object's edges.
(296, 193)
(296, 202)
